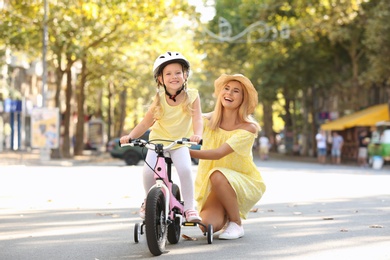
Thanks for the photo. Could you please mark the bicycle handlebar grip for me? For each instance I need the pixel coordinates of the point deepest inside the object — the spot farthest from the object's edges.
(188, 140)
(121, 145)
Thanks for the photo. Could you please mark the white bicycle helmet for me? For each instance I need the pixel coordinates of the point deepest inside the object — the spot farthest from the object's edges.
(169, 57)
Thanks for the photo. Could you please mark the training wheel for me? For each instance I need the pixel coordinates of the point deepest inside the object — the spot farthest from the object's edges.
(137, 232)
(210, 234)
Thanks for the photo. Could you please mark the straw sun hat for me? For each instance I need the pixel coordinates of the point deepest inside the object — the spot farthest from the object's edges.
(220, 82)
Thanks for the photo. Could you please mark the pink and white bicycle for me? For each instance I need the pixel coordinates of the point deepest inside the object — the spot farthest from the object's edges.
(164, 210)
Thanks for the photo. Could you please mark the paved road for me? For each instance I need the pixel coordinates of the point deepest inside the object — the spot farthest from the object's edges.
(88, 211)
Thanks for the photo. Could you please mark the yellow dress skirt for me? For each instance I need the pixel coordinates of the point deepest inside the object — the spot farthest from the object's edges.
(238, 167)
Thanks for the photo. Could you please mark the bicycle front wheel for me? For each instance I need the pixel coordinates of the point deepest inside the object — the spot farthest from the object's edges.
(156, 224)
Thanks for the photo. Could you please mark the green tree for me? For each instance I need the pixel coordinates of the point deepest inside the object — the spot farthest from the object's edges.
(84, 31)
(377, 42)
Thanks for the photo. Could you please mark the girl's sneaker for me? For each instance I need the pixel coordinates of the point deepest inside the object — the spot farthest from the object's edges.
(192, 216)
(142, 211)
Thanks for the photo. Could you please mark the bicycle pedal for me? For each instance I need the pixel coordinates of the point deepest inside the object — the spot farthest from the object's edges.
(190, 224)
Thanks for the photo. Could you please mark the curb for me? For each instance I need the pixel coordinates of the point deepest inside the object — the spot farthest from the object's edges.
(35, 159)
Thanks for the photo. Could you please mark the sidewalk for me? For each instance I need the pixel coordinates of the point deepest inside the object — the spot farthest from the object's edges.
(307, 159)
(34, 157)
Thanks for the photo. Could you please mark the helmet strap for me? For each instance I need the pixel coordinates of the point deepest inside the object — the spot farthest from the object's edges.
(173, 97)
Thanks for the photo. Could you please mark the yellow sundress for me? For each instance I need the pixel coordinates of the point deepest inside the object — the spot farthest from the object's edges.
(238, 167)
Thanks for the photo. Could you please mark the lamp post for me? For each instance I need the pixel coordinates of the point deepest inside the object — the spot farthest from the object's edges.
(44, 50)
(44, 151)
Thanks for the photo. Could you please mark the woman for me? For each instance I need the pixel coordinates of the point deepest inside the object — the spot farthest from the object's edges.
(228, 183)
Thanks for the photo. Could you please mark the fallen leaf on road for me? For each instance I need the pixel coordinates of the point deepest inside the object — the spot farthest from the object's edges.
(189, 238)
(254, 210)
(376, 226)
(343, 230)
(107, 214)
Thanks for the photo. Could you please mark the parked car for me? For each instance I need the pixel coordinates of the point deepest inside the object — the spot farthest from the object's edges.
(132, 155)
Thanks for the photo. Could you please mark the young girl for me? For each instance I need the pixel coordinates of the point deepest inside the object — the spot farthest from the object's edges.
(175, 113)
(228, 183)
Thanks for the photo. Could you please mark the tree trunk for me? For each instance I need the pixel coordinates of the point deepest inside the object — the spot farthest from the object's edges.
(80, 94)
(305, 127)
(289, 135)
(122, 104)
(68, 109)
(109, 117)
(59, 73)
(268, 123)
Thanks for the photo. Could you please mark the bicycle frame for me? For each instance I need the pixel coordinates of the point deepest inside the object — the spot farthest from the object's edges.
(162, 175)
(162, 171)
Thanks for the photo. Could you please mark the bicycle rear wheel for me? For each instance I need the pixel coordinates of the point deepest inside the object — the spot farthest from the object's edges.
(156, 224)
(174, 229)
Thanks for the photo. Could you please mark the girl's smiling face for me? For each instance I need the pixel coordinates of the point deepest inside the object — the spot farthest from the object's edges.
(232, 95)
(172, 76)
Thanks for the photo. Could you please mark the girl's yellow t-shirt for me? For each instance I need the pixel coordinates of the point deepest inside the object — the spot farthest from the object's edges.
(174, 123)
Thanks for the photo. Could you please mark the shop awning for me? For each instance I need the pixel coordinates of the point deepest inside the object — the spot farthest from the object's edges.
(366, 117)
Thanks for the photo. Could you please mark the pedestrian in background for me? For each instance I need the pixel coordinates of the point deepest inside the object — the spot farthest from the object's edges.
(363, 151)
(264, 146)
(337, 146)
(321, 146)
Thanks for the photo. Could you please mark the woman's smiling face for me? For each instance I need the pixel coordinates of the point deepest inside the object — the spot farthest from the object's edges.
(232, 95)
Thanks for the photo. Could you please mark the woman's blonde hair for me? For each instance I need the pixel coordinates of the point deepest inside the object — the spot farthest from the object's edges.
(243, 112)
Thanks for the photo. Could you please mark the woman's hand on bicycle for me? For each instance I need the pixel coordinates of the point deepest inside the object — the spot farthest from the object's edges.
(196, 138)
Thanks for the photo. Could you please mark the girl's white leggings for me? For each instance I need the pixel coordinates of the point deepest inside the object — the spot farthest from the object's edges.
(182, 162)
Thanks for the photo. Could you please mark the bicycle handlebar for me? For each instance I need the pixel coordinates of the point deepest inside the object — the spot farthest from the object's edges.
(153, 143)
